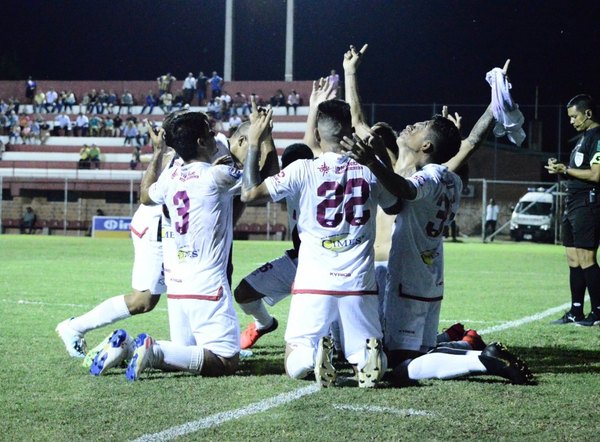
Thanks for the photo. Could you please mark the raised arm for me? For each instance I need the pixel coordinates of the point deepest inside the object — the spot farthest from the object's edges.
(322, 91)
(479, 132)
(161, 155)
(352, 60)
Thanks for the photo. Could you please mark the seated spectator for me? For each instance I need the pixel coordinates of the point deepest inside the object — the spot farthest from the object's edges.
(26, 133)
(62, 125)
(149, 103)
(70, 101)
(94, 155)
(35, 133)
(118, 123)
(234, 123)
(239, 101)
(92, 101)
(213, 109)
(178, 101)
(111, 102)
(126, 101)
(84, 157)
(82, 124)
(143, 134)
(278, 99)
(95, 126)
(28, 221)
(14, 136)
(101, 102)
(130, 132)
(135, 159)
(85, 103)
(109, 127)
(51, 98)
(44, 131)
(225, 104)
(38, 102)
(293, 100)
(166, 102)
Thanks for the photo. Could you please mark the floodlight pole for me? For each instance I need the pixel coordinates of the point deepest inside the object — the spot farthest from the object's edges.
(289, 41)
(228, 58)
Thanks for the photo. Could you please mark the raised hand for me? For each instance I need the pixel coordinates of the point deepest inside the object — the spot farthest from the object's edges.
(157, 138)
(322, 91)
(456, 119)
(352, 59)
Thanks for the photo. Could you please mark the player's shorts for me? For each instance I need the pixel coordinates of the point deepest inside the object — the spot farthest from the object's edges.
(274, 279)
(311, 316)
(410, 324)
(148, 272)
(581, 227)
(208, 324)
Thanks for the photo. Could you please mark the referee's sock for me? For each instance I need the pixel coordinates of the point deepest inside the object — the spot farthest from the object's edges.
(592, 279)
(577, 283)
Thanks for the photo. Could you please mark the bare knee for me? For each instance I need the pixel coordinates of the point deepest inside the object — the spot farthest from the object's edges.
(141, 302)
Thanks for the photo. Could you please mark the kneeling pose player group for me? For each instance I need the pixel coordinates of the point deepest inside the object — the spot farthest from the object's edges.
(358, 198)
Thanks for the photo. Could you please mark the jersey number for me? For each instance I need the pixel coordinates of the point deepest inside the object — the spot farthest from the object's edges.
(334, 197)
(182, 201)
(436, 227)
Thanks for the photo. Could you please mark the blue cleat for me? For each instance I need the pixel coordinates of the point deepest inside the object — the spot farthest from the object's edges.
(142, 357)
(111, 352)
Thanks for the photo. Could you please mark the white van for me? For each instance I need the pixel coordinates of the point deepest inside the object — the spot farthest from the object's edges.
(533, 217)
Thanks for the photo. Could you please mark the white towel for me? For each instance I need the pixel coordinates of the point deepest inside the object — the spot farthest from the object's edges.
(509, 119)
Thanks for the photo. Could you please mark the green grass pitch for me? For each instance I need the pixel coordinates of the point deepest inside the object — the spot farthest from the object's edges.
(508, 291)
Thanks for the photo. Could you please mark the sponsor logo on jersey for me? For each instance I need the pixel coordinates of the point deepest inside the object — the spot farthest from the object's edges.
(428, 256)
(235, 173)
(185, 254)
(340, 243)
(324, 168)
(344, 275)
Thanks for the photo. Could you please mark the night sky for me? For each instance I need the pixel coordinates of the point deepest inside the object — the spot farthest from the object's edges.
(420, 51)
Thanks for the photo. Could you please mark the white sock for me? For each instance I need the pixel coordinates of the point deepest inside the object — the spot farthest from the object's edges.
(440, 365)
(168, 355)
(112, 310)
(259, 312)
(300, 362)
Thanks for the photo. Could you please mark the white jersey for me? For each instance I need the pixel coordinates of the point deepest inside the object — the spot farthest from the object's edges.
(146, 221)
(338, 202)
(199, 198)
(416, 261)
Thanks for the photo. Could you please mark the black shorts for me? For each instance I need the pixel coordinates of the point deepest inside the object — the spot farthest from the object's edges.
(581, 227)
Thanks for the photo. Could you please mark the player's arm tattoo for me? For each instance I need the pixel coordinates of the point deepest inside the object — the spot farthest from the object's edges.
(481, 128)
(251, 177)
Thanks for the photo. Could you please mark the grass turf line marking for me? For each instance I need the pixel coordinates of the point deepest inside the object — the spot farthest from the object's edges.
(374, 409)
(219, 418)
(525, 320)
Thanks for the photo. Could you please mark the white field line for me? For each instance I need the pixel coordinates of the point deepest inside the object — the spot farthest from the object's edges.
(389, 410)
(525, 320)
(56, 304)
(219, 418)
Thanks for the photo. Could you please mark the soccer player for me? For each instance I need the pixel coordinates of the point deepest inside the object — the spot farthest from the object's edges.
(204, 328)
(334, 280)
(414, 289)
(581, 221)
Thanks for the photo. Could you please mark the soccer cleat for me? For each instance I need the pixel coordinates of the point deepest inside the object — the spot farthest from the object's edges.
(455, 332)
(112, 353)
(252, 334)
(474, 340)
(589, 321)
(568, 318)
(500, 362)
(372, 372)
(142, 357)
(73, 340)
(325, 373)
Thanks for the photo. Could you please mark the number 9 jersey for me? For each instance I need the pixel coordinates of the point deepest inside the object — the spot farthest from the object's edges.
(337, 199)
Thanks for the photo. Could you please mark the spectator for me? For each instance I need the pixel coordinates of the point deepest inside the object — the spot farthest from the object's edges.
(201, 83)
(256, 98)
(85, 103)
(135, 159)
(101, 102)
(166, 102)
(143, 134)
(28, 221)
(150, 102)
(239, 101)
(44, 131)
(126, 101)
(130, 132)
(278, 99)
(95, 156)
(51, 97)
(39, 102)
(234, 123)
(30, 87)
(14, 136)
(178, 100)
(109, 127)
(82, 124)
(216, 83)
(334, 81)
(213, 109)
(92, 101)
(117, 122)
(164, 83)
(189, 87)
(95, 126)
(84, 157)
(293, 100)
(111, 102)
(491, 217)
(69, 101)
(34, 135)
(99, 212)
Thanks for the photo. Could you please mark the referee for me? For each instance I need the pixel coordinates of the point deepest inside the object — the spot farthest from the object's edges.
(581, 219)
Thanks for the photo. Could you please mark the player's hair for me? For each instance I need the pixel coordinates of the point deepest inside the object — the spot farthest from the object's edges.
(242, 130)
(583, 102)
(296, 151)
(334, 119)
(184, 131)
(388, 136)
(445, 138)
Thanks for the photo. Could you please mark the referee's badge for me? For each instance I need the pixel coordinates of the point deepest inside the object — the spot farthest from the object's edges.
(578, 159)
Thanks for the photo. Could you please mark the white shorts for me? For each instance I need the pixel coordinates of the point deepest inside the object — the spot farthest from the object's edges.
(212, 325)
(274, 280)
(148, 272)
(410, 324)
(311, 316)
